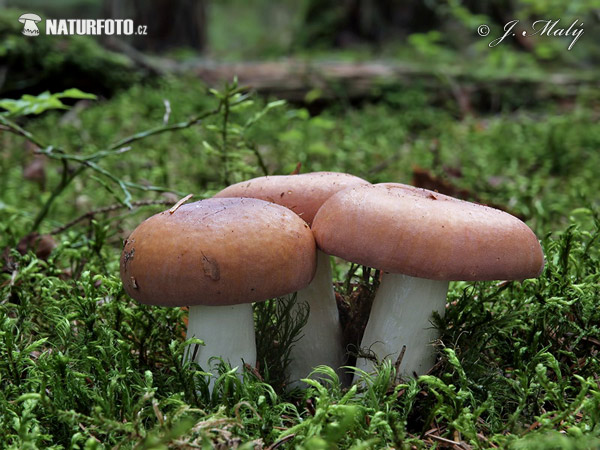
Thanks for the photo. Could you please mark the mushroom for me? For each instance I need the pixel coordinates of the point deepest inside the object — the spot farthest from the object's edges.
(321, 340)
(29, 21)
(217, 256)
(421, 240)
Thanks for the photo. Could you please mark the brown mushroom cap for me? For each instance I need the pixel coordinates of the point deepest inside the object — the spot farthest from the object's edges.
(403, 229)
(222, 251)
(304, 194)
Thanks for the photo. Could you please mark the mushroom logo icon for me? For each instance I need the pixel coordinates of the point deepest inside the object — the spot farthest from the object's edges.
(29, 22)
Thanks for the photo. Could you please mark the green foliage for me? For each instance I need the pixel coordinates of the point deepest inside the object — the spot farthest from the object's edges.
(229, 149)
(280, 323)
(262, 28)
(29, 104)
(507, 58)
(58, 62)
(84, 366)
(443, 35)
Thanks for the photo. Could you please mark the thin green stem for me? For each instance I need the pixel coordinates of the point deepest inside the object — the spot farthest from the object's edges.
(121, 146)
(224, 160)
(164, 129)
(12, 127)
(259, 158)
(60, 187)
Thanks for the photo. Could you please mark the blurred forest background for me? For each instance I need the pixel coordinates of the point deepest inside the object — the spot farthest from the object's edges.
(435, 39)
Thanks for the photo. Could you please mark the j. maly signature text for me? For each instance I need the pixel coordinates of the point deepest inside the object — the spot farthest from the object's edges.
(549, 28)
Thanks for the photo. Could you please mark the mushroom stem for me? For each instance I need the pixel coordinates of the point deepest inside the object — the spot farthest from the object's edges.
(227, 332)
(321, 337)
(401, 316)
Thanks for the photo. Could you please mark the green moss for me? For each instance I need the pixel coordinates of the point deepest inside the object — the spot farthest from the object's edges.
(84, 366)
(57, 63)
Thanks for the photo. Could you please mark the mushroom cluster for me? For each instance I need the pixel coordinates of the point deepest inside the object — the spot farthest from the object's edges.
(271, 236)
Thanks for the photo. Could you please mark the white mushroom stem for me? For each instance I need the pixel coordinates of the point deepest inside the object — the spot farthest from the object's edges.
(321, 337)
(401, 316)
(227, 332)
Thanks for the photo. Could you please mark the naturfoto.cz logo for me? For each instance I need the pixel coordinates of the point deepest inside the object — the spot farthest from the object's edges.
(82, 27)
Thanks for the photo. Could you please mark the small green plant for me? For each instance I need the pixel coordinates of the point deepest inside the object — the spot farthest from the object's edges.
(280, 326)
(29, 104)
(230, 148)
(229, 139)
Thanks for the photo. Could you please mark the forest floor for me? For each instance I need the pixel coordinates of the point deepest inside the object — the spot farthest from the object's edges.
(85, 366)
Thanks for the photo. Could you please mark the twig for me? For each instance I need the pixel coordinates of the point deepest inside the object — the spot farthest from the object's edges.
(12, 127)
(486, 440)
(164, 129)
(154, 65)
(249, 406)
(89, 161)
(259, 159)
(296, 171)
(399, 361)
(105, 209)
(454, 444)
(59, 154)
(282, 441)
(64, 182)
(85, 161)
(389, 161)
(179, 203)
(224, 160)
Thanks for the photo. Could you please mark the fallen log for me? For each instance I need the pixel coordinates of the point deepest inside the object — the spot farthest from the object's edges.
(299, 81)
(304, 81)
